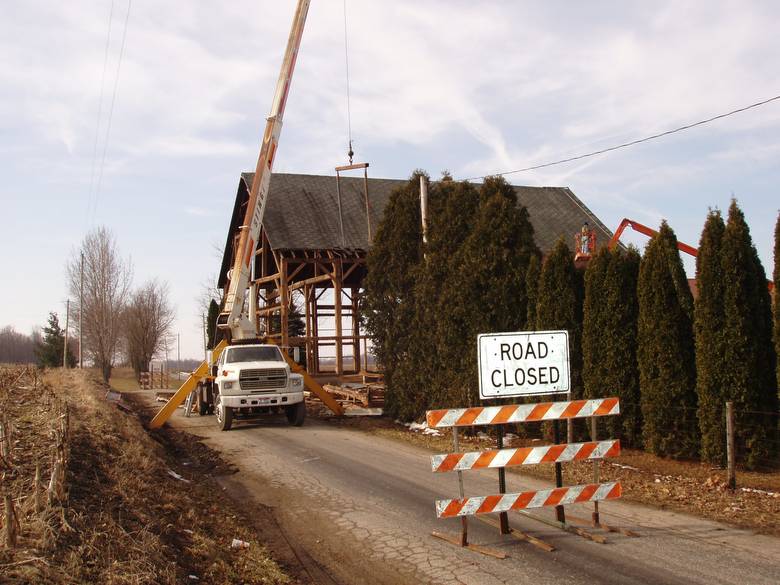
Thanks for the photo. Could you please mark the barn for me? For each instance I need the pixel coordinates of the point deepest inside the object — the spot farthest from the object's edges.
(310, 260)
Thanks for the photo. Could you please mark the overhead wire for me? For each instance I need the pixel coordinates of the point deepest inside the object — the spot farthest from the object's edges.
(630, 143)
(100, 113)
(111, 110)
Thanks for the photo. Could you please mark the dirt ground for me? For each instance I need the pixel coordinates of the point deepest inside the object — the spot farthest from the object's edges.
(134, 512)
(689, 487)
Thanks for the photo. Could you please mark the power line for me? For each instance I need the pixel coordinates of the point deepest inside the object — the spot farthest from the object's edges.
(100, 111)
(631, 143)
(111, 109)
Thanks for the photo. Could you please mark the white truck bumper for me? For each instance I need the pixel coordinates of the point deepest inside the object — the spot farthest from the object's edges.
(258, 400)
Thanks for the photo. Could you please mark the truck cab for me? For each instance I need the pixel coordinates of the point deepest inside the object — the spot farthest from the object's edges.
(251, 380)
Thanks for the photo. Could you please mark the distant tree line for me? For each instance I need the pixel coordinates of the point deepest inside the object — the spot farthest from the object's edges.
(16, 347)
(121, 323)
(635, 329)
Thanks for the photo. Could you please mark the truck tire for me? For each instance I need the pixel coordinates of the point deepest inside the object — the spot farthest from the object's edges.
(203, 405)
(224, 414)
(210, 397)
(296, 414)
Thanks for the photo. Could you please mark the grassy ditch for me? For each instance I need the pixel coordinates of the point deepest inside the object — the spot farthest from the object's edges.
(131, 513)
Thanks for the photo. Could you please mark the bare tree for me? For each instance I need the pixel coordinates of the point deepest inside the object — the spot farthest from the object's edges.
(147, 322)
(107, 280)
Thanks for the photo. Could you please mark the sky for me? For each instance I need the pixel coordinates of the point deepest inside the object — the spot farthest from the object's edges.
(472, 88)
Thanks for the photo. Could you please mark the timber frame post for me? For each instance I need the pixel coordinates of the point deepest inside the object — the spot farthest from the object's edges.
(327, 283)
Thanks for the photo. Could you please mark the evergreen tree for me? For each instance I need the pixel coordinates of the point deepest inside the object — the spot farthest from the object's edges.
(491, 275)
(388, 303)
(50, 348)
(667, 370)
(594, 326)
(709, 326)
(749, 359)
(559, 305)
(532, 290)
(440, 312)
(622, 311)
(212, 334)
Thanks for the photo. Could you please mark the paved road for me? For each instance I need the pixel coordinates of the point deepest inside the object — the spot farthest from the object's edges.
(362, 507)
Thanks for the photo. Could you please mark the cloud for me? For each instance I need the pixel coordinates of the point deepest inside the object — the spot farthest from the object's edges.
(198, 211)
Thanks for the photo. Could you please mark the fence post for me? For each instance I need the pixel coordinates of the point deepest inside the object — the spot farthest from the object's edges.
(730, 455)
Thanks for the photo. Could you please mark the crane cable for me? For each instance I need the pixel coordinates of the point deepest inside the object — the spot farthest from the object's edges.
(350, 152)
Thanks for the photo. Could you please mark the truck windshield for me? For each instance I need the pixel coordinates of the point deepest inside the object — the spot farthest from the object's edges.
(253, 354)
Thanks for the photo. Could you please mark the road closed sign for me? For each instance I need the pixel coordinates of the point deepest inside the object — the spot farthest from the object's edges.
(523, 364)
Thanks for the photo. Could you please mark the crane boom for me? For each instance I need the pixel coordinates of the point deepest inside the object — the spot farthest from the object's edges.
(234, 316)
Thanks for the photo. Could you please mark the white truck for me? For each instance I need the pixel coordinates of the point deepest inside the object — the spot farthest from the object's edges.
(251, 380)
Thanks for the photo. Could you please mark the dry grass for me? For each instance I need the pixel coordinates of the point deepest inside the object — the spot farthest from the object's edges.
(129, 521)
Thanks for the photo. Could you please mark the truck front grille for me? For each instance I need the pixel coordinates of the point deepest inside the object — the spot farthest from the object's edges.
(263, 379)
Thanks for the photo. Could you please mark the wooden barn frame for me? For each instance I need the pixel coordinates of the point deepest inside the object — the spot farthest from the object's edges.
(313, 246)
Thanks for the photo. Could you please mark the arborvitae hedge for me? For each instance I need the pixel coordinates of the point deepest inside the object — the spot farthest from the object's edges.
(559, 305)
(708, 328)
(489, 282)
(532, 290)
(609, 338)
(749, 378)
(388, 303)
(667, 371)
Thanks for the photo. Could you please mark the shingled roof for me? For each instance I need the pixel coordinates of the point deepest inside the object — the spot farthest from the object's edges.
(302, 212)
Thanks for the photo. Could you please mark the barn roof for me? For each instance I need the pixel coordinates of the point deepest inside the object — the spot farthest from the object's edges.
(302, 213)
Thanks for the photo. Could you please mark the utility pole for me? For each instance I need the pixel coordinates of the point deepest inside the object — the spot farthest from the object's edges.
(81, 314)
(424, 208)
(65, 346)
(178, 357)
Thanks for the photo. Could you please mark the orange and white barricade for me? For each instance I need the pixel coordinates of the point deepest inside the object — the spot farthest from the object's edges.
(501, 458)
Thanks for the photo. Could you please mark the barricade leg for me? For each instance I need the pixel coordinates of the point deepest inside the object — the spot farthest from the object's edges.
(503, 517)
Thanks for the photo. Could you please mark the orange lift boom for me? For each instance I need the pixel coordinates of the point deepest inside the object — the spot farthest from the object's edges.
(649, 232)
(643, 229)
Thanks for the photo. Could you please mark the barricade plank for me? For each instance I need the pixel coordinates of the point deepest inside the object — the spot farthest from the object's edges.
(492, 458)
(527, 500)
(517, 413)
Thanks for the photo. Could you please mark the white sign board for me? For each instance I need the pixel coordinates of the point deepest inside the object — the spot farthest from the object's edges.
(523, 364)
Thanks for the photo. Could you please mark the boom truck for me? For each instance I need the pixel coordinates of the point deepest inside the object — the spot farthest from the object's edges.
(245, 376)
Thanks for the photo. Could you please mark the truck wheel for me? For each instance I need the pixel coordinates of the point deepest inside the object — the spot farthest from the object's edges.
(203, 405)
(210, 397)
(224, 414)
(296, 414)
